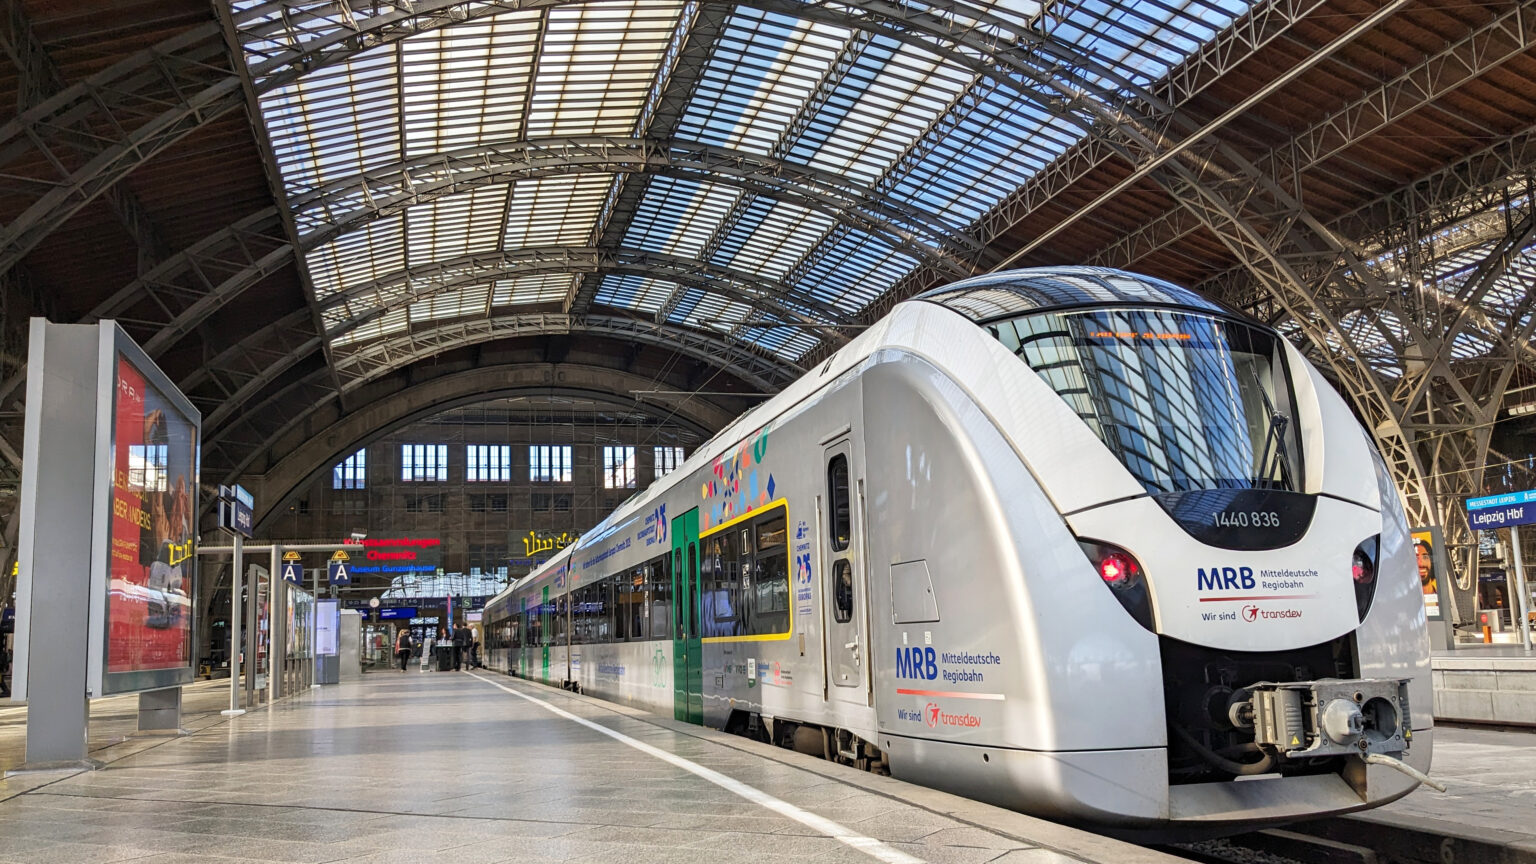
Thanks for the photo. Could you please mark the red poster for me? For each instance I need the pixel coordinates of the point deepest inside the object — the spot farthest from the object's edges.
(154, 475)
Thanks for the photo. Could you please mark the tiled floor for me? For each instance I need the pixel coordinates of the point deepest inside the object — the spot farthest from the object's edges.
(444, 767)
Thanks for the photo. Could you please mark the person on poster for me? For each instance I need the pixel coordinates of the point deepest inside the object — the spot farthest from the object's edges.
(1427, 582)
(166, 546)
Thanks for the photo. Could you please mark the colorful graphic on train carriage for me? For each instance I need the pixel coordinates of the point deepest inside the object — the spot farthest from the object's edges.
(740, 484)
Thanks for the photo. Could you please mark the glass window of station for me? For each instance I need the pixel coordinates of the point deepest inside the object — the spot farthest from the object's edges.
(424, 462)
(618, 467)
(667, 460)
(549, 463)
(351, 472)
(488, 463)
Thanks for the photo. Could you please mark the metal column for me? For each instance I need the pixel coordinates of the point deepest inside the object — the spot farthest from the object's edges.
(1521, 590)
(235, 648)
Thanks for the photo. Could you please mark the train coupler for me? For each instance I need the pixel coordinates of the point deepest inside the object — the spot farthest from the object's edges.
(1328, 717)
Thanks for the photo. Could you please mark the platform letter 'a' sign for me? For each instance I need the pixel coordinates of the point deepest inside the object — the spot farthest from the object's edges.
(293, 571)
(338, 573)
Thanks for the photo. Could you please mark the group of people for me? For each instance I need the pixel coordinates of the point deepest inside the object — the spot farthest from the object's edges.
(463, 643)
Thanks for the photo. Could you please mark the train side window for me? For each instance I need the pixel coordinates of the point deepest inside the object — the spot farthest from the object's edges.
(722, 585)
(562, 624)
(691, 583)
(621, 601)
(639, 602)
(769, 600)
(661, 598)
(839, 514)
(842, 591)
(603, 612)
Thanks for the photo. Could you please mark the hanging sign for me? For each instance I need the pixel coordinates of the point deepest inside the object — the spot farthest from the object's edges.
(1502, 511)
(338, 571)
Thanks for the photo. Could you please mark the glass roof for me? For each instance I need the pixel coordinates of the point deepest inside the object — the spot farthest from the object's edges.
(909, 125)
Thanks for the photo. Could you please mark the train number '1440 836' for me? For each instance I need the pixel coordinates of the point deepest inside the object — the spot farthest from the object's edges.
(1247, 519)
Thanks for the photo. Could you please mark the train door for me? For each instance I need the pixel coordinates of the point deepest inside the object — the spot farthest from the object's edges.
(843, 583)
(687, 650)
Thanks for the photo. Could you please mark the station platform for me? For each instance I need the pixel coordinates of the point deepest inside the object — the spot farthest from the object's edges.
(1485, 684)
(476, 767)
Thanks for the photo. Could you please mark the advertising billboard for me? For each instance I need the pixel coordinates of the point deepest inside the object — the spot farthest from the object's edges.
(151, 540)
(1433, 566)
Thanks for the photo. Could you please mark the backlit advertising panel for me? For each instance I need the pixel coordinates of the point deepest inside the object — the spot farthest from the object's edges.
(151, 533)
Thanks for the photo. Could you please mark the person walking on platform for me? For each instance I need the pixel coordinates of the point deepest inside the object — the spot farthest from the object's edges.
(460, 647)
(403, 646)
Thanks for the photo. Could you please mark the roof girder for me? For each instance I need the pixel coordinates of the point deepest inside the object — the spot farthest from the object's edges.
(419, 283)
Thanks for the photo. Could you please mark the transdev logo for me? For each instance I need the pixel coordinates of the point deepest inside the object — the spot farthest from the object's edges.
(937, 717)
(1254, 613)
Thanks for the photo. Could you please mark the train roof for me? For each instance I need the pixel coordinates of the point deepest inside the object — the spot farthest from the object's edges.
(1020, 292)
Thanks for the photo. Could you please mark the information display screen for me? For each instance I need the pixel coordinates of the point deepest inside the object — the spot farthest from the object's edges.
(151, 535)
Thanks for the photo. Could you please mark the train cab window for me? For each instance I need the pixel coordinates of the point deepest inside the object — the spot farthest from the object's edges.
(842, 591)
(838, 511)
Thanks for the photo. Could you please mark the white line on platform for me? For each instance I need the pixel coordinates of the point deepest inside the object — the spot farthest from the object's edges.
(842, 833)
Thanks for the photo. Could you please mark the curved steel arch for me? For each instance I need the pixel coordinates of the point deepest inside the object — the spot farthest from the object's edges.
(340, 206)
(767, 374)
(413, 284)
(1060, 78)
(304, 464)
(184, 75)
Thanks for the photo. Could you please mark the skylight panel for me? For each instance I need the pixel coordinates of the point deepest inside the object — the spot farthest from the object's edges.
(458, 303)
(711, 311)
(855, 269)
(467, 85)
(771, 236)
(992, 152)
(678, 217)
(764, 69)
(358, 257)
(388, 325)
(455, 225)
(628, 291)
(319, 127)
(597, 66)
(1143, 39)
(543, 288)
(884, 103)
(555, 211)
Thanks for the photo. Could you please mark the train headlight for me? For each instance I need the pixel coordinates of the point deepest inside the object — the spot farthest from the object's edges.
(1121, 571)
(1363, 572)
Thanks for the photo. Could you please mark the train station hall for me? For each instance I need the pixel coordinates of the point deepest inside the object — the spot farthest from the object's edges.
(767, 431)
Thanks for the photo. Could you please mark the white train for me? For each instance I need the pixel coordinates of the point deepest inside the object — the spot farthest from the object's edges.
(1071, 541)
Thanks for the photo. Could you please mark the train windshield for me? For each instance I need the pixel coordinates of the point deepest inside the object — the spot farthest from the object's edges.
(1186, 401)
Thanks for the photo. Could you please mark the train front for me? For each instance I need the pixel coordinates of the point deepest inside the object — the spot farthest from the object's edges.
(1221, 491)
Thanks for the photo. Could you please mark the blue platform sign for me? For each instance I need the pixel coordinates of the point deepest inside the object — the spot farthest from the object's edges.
(339, 572)
(1502, 511)
(293, 571)
(397, 612)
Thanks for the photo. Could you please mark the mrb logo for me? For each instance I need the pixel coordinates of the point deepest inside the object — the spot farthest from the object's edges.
(917, 662)
(1229, 578)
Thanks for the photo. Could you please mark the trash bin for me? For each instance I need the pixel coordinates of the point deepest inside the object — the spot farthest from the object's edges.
(444, 654)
